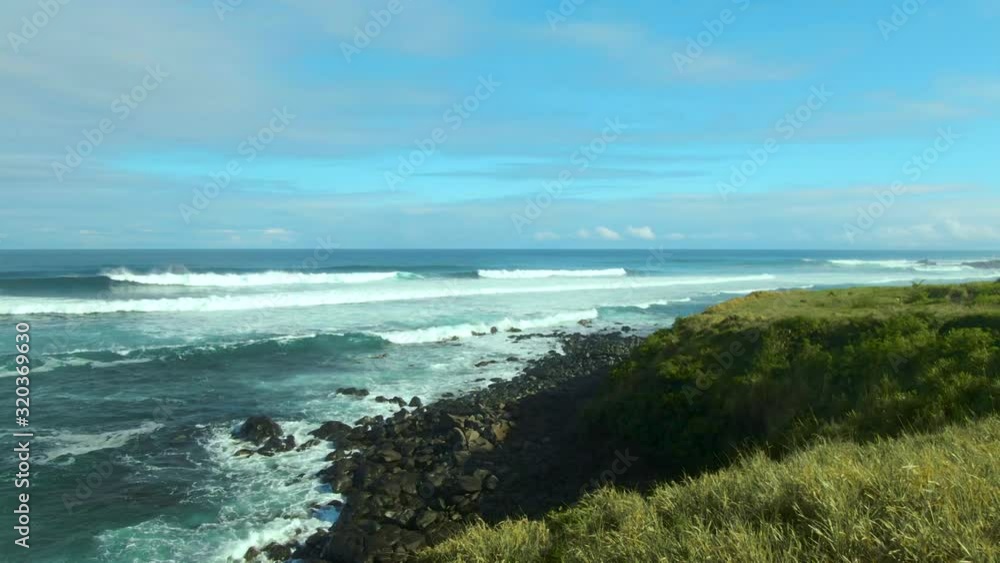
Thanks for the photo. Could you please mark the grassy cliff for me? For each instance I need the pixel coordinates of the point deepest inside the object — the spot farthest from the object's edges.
(861, 422)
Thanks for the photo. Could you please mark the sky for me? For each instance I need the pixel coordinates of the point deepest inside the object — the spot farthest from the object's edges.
(857, 124)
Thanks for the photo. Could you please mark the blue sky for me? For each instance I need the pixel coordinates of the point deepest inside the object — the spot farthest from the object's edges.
(543, 124)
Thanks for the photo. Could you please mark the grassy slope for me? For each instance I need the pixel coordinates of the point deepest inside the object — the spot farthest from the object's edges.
(778, 369)
(933, 497)
(789, 372)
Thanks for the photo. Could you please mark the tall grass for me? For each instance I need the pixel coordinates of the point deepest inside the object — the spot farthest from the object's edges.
(930, 497)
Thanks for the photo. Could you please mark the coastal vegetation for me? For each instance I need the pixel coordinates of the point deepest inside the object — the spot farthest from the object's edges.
(851, 425)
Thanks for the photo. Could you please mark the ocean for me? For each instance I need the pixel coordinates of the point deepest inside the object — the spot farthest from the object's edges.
(143, 362)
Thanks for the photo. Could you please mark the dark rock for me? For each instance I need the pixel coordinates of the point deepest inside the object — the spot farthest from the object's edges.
(243, 453)
(308, 444)
(485, 363)
(390, 455)
(416, 403)
(494, 330)
(412, 541)
(469, 483)
(277, 445)
(258, 429)
(352, 391)
(347, 545)
(416, 478)
(277, 552)
(332, 430)
(585, 322)
(425, 519)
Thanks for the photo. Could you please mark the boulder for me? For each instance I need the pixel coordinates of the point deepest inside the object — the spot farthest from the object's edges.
(277, 552)
(491, 482)
(258, 429)
(275, 445)
(332, 430)
(425, 519)
(469, 483)
(389, 455)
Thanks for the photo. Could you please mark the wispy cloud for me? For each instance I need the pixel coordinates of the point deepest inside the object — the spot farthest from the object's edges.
(645, 233)
(607, 234)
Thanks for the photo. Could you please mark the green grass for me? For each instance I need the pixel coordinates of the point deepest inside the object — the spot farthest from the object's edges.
(839, 407)
(930, 497)
(776, 370)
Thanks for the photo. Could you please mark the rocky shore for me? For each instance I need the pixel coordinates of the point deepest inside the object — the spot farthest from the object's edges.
(417, 477)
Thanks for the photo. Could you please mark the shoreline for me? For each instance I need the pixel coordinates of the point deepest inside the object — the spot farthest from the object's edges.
(514, 448)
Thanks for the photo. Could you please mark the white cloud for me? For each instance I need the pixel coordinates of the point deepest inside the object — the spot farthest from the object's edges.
(583, 233)
(607, 234)
(965, 231)
(644, 233)
(546, 235)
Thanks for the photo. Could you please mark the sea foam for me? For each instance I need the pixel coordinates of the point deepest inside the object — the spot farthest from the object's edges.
(259, 279)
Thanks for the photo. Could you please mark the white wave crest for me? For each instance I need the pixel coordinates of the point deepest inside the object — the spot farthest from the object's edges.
(438, 333)
(662, 302)
(928, 266)
(539, 274)
(424, 290)
(257, 279)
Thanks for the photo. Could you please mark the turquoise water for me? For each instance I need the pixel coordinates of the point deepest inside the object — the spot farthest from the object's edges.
(143, 362)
